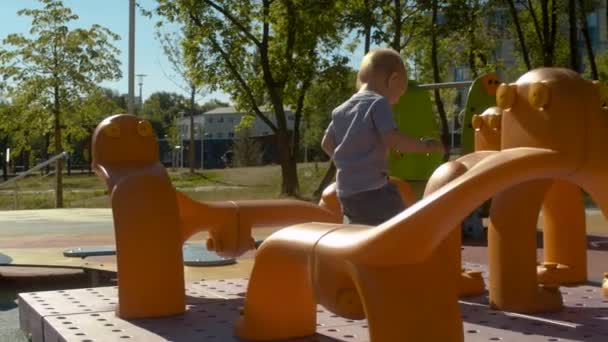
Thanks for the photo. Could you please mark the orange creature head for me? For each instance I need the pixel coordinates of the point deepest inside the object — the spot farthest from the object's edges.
(487, 129)
(124, 139)
(548, 108)
(490, 83)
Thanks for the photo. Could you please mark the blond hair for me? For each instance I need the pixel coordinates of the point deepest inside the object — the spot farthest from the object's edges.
(379, 63)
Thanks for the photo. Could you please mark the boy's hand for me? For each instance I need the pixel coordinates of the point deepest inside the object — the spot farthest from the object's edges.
(434, 145)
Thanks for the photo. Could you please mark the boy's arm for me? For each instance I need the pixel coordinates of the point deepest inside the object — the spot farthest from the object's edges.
(327, 144)
(382, 116)
(404, 143)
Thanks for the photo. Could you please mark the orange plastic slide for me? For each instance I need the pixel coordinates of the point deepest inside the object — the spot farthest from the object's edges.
(152, 220)
(401, 275)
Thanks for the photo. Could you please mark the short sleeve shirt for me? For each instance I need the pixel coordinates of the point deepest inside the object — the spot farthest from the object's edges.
(360, 156)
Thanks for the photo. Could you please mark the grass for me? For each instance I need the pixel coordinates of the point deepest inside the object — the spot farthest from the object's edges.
(262, 182)
(88, 191)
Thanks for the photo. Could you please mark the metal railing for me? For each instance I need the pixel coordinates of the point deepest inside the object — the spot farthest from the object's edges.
(26, 173)
(459, 84)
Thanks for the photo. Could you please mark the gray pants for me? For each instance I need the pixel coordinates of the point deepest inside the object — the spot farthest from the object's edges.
(372, 207)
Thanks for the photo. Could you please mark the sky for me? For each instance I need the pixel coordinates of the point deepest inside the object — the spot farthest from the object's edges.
(114, 14)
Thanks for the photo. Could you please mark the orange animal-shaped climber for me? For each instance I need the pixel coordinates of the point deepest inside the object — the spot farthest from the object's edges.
(401, 274)
(152, 220)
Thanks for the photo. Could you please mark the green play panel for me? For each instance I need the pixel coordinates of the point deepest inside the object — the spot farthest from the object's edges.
(414, 117)
(482, 95)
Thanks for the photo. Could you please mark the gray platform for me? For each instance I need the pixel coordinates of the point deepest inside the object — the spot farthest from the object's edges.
(213, 306)
(5, 259)
(194, 254)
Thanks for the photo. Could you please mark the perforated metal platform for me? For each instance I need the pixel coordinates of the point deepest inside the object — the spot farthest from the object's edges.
(213, 305)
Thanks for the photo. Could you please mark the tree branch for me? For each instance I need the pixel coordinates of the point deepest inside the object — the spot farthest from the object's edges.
(291, 38)
(298, 114)
(535, 20)
(553, 25)
(237, 23)
(242, 83)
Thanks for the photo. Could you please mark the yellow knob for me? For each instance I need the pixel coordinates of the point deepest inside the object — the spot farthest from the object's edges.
(348, 301)
(144, 128)
(477, 122)
(494, 122)
(550, 266)
(538, 95)
(506, 95)
(112, 130)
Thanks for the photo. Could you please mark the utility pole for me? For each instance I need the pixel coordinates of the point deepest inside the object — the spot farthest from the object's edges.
(140, 82)
(131, 99)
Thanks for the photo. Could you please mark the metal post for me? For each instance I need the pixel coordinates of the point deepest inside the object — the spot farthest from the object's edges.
(131, 99)
(140, 78)
(201, 134)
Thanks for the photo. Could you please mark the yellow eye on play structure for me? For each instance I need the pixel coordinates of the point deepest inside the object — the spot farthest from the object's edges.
(112, 130)
(144, 128)
(494, 121)
(476, 122)
(506, 95)
(538, 95)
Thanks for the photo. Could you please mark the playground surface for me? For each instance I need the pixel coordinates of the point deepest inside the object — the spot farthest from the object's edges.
(39, 237)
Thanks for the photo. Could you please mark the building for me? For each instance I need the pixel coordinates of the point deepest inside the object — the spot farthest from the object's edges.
(215, 132)
(507, 48)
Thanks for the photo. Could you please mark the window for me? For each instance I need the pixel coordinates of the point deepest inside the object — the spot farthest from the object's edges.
(231, 120)
(220, 119)
(290, 118)
(231, 135)
(209, 120)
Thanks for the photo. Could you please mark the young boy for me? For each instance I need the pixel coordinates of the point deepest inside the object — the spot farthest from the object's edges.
(358, 138)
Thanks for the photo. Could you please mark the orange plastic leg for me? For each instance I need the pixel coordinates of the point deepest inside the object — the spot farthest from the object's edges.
(148, 249)
(512, 251)
(471, 281)
(280, 301)
(565, 237)
(390, 294)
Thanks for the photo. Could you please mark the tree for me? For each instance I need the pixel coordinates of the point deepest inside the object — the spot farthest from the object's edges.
(52, 70)
(339, 81)
(585, 30)
(363, 16)
(263, 52)
(163, 110)
(174, 48)
(520, 34)
(445, 134)
(247, 151)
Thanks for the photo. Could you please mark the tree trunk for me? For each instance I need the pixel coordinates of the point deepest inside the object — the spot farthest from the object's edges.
(289, 172)
(327, 179)
(520, 34)
(588, 44)
(192, 146)
(58, 149)
(546, 33)
(47, 145)
(367, 25)
(398, 26)
(445, 133)
(573, 38)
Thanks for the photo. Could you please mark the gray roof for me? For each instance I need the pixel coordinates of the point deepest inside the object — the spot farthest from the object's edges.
(232, 110)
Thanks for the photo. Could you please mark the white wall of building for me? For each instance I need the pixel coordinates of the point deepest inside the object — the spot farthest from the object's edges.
(220, 124)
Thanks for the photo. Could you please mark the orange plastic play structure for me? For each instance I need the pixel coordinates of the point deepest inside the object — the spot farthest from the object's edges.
(399, 275)
(471, 280)
(152, 220)
(565, 237)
